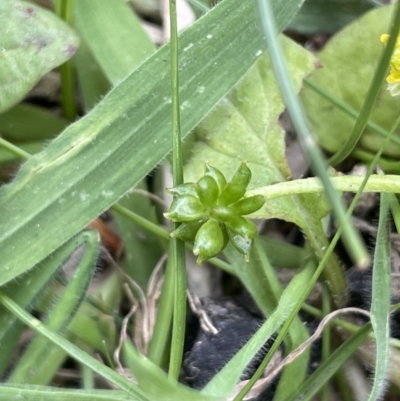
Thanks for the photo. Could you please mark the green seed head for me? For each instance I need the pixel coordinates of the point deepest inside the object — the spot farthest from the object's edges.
(211, 212)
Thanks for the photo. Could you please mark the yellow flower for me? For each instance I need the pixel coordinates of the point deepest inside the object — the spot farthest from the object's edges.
(393, 79)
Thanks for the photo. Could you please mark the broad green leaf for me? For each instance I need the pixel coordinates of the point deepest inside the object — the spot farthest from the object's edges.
(92, 81)
(226, 379)
(33, 41)
(244, 126)
(26, 122)
(348, 64)
(380, 307)
(28, 370)
(100, 157)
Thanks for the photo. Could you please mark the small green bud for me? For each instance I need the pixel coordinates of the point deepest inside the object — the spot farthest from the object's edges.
(207, 190)
(242, 176)
(242, 226)
(236, 187)
(209, 241)
(186, 208)
(247, 205)
(184, 189)
(217, 175)
(187, 231)
(221, 213)
(242, 244)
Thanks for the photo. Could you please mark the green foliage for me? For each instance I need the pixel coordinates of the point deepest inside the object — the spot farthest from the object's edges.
(231, 103)
(349, 62)
(33, 42)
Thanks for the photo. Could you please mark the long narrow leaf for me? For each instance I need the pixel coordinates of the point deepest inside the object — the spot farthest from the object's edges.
(27, 370)
(9, 392)
(380, 307)
(25, 291)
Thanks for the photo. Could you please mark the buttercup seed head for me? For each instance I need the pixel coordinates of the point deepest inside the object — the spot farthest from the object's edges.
(211, 212)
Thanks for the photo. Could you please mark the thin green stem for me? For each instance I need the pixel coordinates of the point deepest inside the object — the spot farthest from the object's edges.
(178, 246)
(348, 183)
(64, 9)
(387, 165)
(353, 241)
(147, 224)
(14, 149)
(326, 337)
(158, 348)
(372, 94)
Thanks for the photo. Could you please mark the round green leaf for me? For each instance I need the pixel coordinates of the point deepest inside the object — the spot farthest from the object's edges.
(349, 61)
(33, 42)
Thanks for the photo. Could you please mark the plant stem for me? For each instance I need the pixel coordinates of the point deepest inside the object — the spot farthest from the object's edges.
(64, 9)
(348, 183)
(178, 246)
(14, 149)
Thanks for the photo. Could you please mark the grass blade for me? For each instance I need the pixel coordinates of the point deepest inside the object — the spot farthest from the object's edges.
(27, 370)
(73, 350)
(380, 307)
